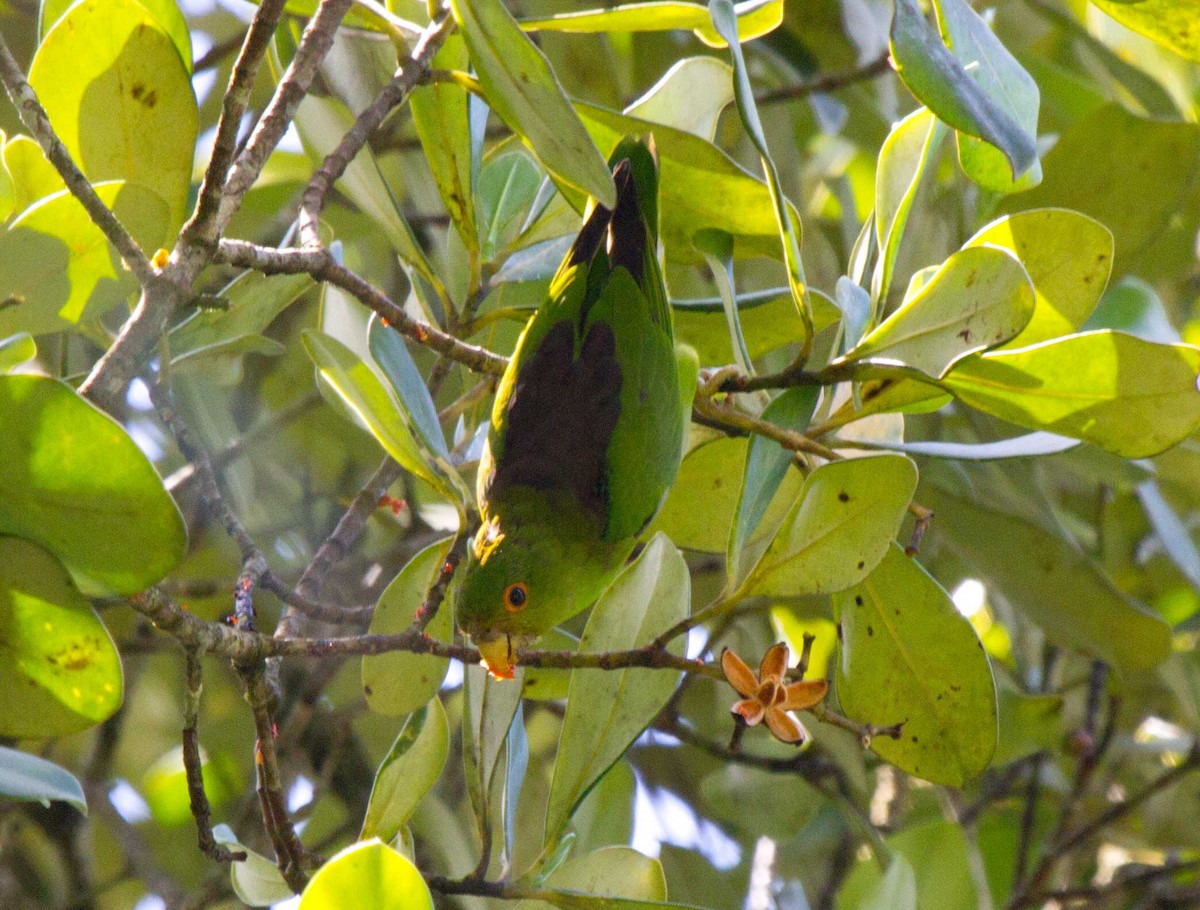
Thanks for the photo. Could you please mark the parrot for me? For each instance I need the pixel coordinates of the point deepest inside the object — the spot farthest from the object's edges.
(587, 428)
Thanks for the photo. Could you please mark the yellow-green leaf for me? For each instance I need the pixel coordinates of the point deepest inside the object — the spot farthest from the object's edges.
(908, 656)
(755, 19)
(70, 476)
(410, 769)
(121, 98)
(843, 522)
(59, 669)
(1174, 24)
(378, 878)
(1068, 257)
(1132, 397)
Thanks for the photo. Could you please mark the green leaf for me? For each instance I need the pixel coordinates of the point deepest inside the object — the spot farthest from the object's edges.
(839, 528)
(400, 682)
(378, 877)
(1028, 723)
(33, 176)
(508, 183)
(16, 350)
(1129, 396)
(866, 889)
(1175, 24)
(908, 656)
(1135, 176)
(256, 879)
(1029, 445)
(522, 88)
(166, 12)
(439, 111)
(755, 18)
(768, 318)
(368, 399)
(767, 464)
(165, 787)
(491, 706)
(608, 872)
(690, 96)
(717, 248)
(905, 158)
(1068, 257)
(930, 868)
(1006, 85)
(58, 667)
(724, 20)
(699, 187)
(940, 80)
(58, 268)
(391, 355)
(252, 301)
(979, 297)
(409, 771)
(27, 778)
(607, 710)
(120, 97)
(8, 189)
(69, 475)
(1133, 307)
(1056, 586)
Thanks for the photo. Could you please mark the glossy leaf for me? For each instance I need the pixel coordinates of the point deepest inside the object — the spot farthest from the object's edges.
(1027, 446)
(367, 398)
(400, 682)
(1133, 175)
(165, 12)
(33, 176)
(701, 505)
(16, 350)
(1129, 396)
(1068, 257)
(58, 667)
(768, 318)
(8, 189)
(608, 872)
(120, 96)
(27, 777)
(978, 298)
(1172, 532)
(391, 354)
(904, 159)
(491, 705)
(755, 18)
(607, 710)
(1175, 24)
(69, 475)
(1055, 585)
(256, 879)
(767, 464)
(377, 876)
(908, 656)
(409, 770)
(939, 79)
(439, 111)
(58, 268)
(690, 96)
(842, 524)
(252, 301)
(522, 88)
(724, 20)
(717, 249)
(1007, 86)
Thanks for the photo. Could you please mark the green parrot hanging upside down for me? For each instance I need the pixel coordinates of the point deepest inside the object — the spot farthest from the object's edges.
(587, 429)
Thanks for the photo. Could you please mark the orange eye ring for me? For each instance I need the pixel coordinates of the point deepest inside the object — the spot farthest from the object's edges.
(516, 596)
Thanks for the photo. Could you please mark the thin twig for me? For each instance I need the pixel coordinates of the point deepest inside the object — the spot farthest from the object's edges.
(323, 267)
(827, 82)
(193, 767)
(391, 96)
(202, 226)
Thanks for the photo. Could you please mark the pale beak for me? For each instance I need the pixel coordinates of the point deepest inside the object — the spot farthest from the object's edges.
(497, 657)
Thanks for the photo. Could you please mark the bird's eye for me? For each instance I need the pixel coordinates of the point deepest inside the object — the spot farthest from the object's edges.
(515, 597)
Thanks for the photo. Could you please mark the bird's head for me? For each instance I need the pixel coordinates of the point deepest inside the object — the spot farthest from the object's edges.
(510, 591)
